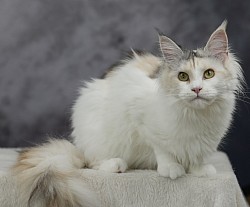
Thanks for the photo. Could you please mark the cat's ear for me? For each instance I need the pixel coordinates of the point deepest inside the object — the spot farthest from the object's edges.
(217, 44)
(170, 50)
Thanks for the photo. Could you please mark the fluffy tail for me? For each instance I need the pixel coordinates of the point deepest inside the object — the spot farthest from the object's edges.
(48, 176)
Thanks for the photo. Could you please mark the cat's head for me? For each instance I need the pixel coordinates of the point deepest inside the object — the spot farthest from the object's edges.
(200, 77)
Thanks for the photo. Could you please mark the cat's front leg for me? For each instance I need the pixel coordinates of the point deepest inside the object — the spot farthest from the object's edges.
(168, 166)
(202, 170)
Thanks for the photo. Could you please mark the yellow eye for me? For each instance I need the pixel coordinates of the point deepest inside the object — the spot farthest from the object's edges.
(209, 73)
(183, 76)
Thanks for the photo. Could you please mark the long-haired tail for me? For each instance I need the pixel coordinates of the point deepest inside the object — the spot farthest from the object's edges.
(48, 176)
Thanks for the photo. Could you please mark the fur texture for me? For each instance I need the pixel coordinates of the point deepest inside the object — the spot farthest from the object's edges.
(132, 120)
(166, 113)
(48, 176)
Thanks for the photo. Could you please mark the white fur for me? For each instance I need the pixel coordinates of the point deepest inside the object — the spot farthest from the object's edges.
(158, 123)
(128, 116)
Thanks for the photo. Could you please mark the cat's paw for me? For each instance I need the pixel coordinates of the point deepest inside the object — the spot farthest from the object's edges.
(203, 170)
(114, 165)
(172, 170)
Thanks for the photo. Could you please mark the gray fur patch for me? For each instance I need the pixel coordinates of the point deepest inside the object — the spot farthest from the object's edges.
(191, 54)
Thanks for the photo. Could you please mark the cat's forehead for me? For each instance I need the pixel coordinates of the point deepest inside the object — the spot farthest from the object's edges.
(191, 54)
(198, 60)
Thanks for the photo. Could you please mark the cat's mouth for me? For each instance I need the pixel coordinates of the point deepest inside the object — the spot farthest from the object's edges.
(200, 98)
(199, 101)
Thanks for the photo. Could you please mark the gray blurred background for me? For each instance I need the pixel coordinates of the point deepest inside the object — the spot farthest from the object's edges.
(48, 47)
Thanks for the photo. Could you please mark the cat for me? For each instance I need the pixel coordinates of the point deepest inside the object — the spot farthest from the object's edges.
(166, 113)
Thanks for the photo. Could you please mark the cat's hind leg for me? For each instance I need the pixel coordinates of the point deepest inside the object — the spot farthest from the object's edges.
(113, 165)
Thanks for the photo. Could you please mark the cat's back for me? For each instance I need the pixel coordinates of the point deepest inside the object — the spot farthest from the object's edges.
(132, 77)
(144, 62)
(135, 77)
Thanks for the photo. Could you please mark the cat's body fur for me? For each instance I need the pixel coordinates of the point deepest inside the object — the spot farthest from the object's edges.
(141, 116)
(131, 116)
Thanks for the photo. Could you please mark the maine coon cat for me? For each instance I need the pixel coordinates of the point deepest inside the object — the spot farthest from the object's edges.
(166, 113)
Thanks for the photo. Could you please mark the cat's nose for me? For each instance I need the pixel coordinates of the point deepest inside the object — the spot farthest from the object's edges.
(196, 90)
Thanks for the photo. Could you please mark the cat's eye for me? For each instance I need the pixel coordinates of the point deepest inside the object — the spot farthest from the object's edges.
(209, 73)
(183, 76)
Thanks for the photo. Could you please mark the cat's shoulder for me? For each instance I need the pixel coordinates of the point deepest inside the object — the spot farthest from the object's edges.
(137, 60)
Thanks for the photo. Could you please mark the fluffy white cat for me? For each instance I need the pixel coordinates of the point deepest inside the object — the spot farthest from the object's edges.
(166, 113)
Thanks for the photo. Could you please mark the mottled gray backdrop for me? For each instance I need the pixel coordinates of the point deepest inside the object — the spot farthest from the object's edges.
(48, 47)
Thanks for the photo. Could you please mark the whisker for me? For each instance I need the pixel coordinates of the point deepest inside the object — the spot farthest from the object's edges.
(242, 96)
(244, 101)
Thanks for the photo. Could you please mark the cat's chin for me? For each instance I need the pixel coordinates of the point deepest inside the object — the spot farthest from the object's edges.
(199, 102)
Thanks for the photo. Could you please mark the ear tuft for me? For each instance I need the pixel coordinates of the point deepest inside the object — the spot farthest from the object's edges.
(217, 44)
(170, 50)
(223, 25)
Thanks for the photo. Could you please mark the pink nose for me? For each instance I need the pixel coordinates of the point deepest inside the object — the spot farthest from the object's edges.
(196, 90)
